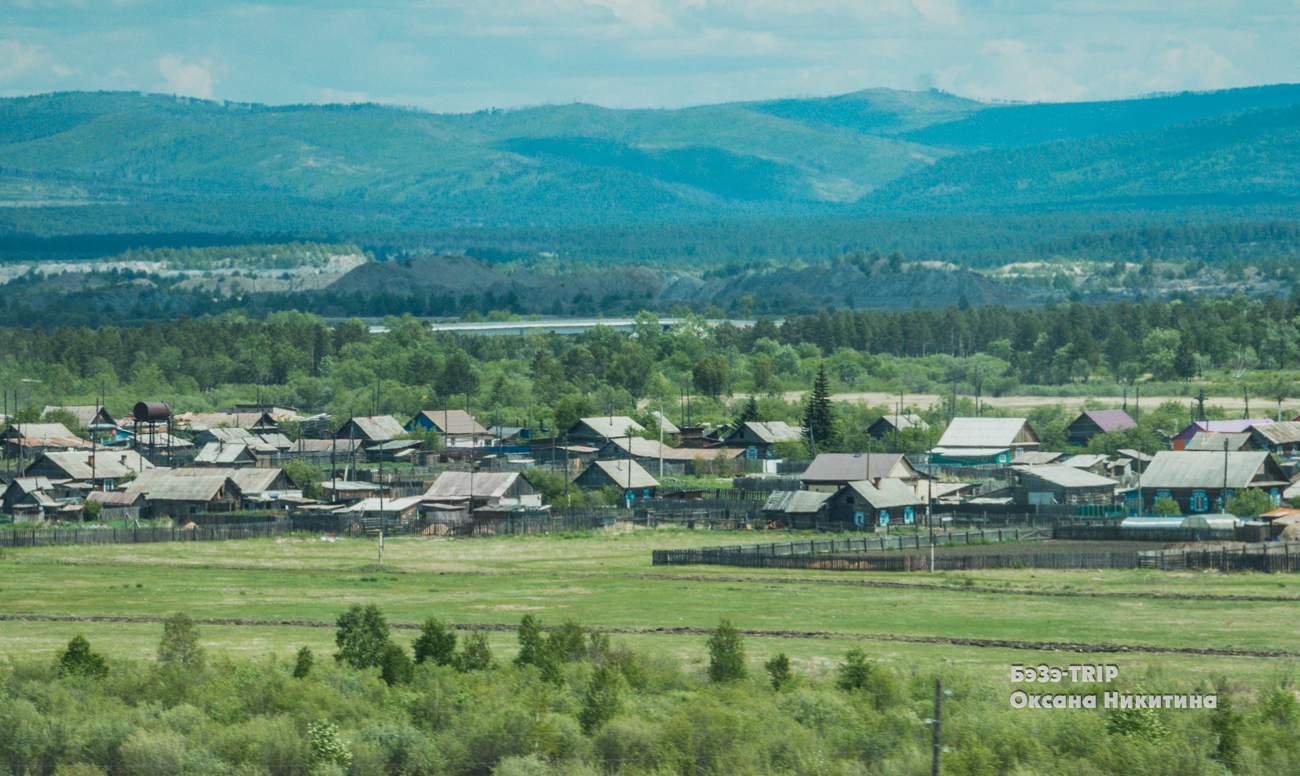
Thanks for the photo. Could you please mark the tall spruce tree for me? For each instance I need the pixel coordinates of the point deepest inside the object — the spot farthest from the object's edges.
(818, 418)
(749, 413)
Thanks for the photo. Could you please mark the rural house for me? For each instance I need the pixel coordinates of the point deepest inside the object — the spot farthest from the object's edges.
(969, 441)
(1179, 440)
(1060, 484)
(875, 504)
(486, 491)
(829, 472)
(87, 415)
(184, 494)
(457, 428)
(34, 438)
(103, 467)
(1199, 482)
(888, 425)
(758, 438)
(797, 508)
(1280, 438)
(371, 430)
(1094, 422)
(1216, 441)
(597, 431)
(632, 481)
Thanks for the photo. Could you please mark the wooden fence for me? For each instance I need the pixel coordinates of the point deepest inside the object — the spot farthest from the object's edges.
(740, 555)
(36, 537)
(1267, 557)
(921, 562)
(1113, 532)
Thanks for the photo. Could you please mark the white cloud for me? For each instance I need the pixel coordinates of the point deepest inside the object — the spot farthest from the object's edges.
(187, 80)
(16, 58)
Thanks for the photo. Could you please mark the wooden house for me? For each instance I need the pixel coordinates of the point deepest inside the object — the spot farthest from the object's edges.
(1218, 441)
(457, 428)
(233, 455)
(596, 432)
(875, 504)
(1060, 484)
(30, 439)
(758, 438)
(371, 430)
(183, 493)
(1280, 438)
(829, 472)
(102, 467)
(484, 492)
(797, 508)
(87, 415)
(971, 441)
(887, 426)
(632, 481)
(1200, 482)
(1179, 441)
(1091, 423)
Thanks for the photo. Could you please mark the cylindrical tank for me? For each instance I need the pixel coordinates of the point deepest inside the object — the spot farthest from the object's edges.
(152, 410)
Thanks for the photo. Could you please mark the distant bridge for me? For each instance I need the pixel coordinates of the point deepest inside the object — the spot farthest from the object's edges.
(559, 326)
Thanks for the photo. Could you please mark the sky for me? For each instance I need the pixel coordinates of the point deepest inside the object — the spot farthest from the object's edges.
(453, 56)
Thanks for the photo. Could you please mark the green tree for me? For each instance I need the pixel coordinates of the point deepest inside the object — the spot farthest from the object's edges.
(395, 666)
(1137, 723)
(79, 660)
(307, 477)
(749, 412)
(567, 642)
(362, 636)
(1165, 506)
(726, 654)
(180, 643)
(712, 376)
(302, 665)
(778, 668)
(536, 649)
(326, 745)
(1226, 725)
(475, 654)
(1249, 503)
(819, 417)
(603, 698)
(436, 644)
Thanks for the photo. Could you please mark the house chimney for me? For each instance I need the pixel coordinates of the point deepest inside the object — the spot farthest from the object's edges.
(877, 483)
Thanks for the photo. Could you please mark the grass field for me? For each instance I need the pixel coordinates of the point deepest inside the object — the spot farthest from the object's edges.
(606, 581)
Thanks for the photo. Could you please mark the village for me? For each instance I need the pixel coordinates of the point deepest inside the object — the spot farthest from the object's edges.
(442, 472)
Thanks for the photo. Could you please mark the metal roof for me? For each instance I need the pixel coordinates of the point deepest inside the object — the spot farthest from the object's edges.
(1066, 476)
(216, 452)
(1183, 469)
(1036, 458)
(850, 467)
(1213, 440)
(170, 485)
(773, 431)
(969, 452)
(112, 499)
(484, 484)
(667, 425)
(640, 447)
(451, 422)
(1220, 426)
(1285, 433)
(1084, 461)
(251, 481)
(891, 493)
(383, 505)
(222, 434)
(609, 428)
(374, 428)
(618, 471)
(207, 421)
(983, 432)
(904, 421)
(1109, 420)
(84, 413)
(109, 464)
(796, 502)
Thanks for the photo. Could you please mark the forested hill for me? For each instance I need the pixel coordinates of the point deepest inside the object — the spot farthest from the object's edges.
(116, 162)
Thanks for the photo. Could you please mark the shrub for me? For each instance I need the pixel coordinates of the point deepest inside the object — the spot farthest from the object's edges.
(568, 642)
(327, 745)
(435, 643)
(78, 660)
(726, 654)
(362, 636)
(475, 654)
(779, 669)
(153, 754)
(603, 699)
(858, 673)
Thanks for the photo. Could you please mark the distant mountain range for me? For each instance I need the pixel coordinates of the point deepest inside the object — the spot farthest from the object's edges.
(114, 162)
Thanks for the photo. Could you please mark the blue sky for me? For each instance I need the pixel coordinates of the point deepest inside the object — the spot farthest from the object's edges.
(443, 55)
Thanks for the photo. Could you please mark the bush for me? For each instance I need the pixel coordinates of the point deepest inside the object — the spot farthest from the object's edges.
(303, 664)
(327, 745)
(147, 753)
(726, 654)
(435, 643)
(78, 660)
(858, 673)
(395, 666)
(603, 699)
(179, 646)
(779, 669)
(475, 654)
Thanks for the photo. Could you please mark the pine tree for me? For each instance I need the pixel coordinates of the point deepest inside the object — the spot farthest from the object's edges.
(818, 419)
(749, 413)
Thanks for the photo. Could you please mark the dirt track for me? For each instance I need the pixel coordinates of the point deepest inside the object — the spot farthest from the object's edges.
(1042, 646)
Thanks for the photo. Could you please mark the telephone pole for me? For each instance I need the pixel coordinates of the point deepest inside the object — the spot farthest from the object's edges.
(938, 737)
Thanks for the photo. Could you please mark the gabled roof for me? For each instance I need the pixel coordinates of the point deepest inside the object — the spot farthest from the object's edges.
(109, 464)
(338, 446)
(796, 502)
(608, 427)
(1182, 469)
(1066, 476)
(1036, 458)
(985, 432)
(904, 421)
(84, 413)
(1285, 433)
(618, 472)
(206, 421)
(1084, 461)
(851, 467)
(180, 484)
(1108, 420)
(376, 428)
(451, 422)
(484, 484)
(113, 499)
(640, 447)
(383, 505)
(1220, 426)
(250, 481)
(771, 431)
(891, 493)
(667, 425)
(218, 453)
(229, 435)
(46, 432)
(1211, 440)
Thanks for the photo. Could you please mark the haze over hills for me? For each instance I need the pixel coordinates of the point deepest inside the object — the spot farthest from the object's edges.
(130, 162)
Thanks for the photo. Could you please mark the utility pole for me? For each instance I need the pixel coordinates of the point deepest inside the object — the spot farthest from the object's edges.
(938, 736)
(1225, 473)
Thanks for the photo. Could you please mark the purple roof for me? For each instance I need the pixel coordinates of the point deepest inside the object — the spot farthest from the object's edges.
(1109, 420)
(1220, 426)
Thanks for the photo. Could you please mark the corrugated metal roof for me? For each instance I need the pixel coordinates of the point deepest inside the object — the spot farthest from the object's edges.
(109, 464)
(982, 432)
(851, 467)
(1285, 433)
(891, 493)
(796, 502)
(1182, 469)
(1109, 420)
(774, 431)
(170, 485)
(384, 505)
(969, 452)
(485, 484)
(1213, 440)
(618, 471)
(609, 428)
(1066, 476)
(452, 422)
